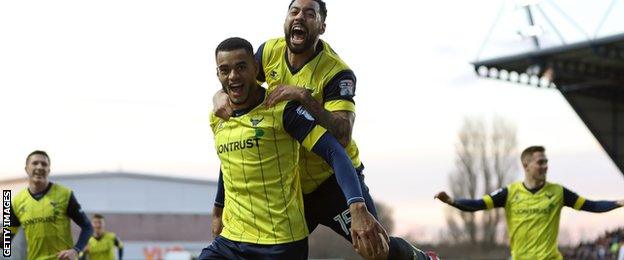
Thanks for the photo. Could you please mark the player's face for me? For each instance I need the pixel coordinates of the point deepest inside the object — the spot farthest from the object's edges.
(38, 169)
(303, 26)
(237, 71)
(537, 166)
(98, 225)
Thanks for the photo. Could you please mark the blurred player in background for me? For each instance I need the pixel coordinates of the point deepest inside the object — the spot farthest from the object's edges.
(532, 208)
(102, 244)
(43, 210)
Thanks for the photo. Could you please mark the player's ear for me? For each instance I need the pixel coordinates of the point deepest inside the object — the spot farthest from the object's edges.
(322, 29)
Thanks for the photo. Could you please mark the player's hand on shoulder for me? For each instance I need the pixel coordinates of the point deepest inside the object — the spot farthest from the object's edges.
(69, 254)
(620, 203)
(285, 92)
(442, 196)
(221, 105)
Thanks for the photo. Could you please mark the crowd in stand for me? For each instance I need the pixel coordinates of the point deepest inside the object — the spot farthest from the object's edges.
(609, 246)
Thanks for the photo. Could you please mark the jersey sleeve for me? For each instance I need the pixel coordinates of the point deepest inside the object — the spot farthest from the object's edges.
(334, 154)
(300, 124)
(117, 242)
(577, 202)
(572, 200)
(258, 56)
(15, 223)
(220, 195)
(338, 93)
(74, 211)
(214, 122)
(496, 199)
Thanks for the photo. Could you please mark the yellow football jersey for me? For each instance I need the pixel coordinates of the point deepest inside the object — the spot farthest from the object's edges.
(533, 220)
(45, 221)
(330, 81)
(103, 248)
(259, 153)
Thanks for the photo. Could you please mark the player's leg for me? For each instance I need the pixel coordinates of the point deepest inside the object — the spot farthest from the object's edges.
(334, 213)
(327, 206)
(287, 251)
(311, 209)
(398, 248)
(220, 249)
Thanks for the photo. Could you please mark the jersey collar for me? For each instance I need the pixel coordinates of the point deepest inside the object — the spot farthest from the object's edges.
(293, 71)
(39, 195)
(533, 191)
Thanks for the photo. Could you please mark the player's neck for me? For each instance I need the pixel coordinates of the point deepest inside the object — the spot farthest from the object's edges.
(37, 187)
(298, 60)
(533, 184)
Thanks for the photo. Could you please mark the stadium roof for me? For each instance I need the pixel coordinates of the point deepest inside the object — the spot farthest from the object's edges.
(589, 74)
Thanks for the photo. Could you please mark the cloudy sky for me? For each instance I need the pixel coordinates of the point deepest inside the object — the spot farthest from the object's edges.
(127, 85)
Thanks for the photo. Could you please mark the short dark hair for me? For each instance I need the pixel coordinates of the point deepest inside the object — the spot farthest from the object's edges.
(322, 8)
(525, 156)
(235, 43)
(98, 216)
(39, 152)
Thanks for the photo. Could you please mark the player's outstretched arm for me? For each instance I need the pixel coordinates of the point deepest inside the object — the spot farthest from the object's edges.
(221, 105)
(573, 200)
(468, 205)
(339, 123)
(601, 205)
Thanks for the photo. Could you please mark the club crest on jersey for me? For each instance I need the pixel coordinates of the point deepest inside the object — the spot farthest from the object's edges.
(347, 87)
(256, 120)
(302, 111)
(273, 74)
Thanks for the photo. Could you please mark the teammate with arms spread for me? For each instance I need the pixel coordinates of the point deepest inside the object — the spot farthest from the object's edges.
(44, 210)
(263, 216)
(303, 68)
(102, 244)
(532, 208)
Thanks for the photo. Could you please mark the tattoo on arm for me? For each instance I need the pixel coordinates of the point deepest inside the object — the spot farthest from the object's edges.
(339, 123)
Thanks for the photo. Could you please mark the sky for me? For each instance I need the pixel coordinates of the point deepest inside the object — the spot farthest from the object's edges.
(127, 85)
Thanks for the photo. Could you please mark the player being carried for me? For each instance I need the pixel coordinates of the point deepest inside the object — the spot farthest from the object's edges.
(303, 68)
(263, 215)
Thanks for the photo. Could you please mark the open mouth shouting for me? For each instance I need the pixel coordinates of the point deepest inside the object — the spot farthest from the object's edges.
(236, 90)
(298, 34)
